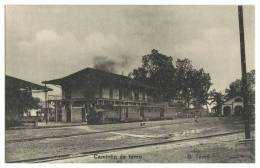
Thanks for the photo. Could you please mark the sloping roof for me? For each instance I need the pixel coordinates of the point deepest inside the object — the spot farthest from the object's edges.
(230, 100)
(95, 76)
(19, 83)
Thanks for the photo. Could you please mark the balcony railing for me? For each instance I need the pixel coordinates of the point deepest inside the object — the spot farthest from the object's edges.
(104, 101)
(101, 101)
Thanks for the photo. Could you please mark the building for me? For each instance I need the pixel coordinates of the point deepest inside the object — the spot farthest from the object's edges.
(232, 107)
(111, 96)
(18, 94)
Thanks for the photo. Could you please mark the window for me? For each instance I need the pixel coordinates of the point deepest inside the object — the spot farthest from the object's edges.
(140, 95)
(136, 95)
(105, 93)
(115, 93)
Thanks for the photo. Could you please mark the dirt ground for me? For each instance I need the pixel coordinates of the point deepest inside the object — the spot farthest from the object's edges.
(228, 149)
(222, 152)
(55, 146)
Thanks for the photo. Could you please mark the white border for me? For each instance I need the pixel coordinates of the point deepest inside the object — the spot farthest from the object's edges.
(131, 2)
(125, 2)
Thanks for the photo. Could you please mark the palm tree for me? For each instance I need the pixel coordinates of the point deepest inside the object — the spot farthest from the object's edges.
(216, 98)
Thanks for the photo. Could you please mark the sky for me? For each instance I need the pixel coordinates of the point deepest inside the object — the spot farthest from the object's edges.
(48, 42)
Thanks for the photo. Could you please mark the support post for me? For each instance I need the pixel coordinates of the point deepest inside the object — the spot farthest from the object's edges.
(56, 108)
(246, 114)
(46, 103)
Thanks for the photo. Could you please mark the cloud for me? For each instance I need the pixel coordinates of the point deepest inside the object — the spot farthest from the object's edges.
(46, 42)
(46, 36)
(58, 54)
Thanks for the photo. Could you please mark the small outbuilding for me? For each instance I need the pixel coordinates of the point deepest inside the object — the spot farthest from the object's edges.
(232, 107)
(18, 94)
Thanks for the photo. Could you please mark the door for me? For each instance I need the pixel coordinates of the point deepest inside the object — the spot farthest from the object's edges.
(123, 114)
(238, 110)
(68, 113)
(161, 113)
(83, 114)
(226, 111)
(142, 113)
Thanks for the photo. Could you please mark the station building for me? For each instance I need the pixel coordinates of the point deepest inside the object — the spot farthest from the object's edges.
(115, 97)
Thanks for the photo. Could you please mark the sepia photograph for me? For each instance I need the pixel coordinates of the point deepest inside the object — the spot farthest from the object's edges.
(129, 83)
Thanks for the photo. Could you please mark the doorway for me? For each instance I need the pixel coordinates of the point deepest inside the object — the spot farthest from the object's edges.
(68, 113)
(238, 110)
(226, 111)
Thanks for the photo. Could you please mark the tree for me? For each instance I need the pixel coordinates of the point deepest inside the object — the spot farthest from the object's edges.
(183, 80)
(192, 84)
(217, 99)
(139, 74)
(18, 100)
(201, 83)
(157, 70)
(235, 88)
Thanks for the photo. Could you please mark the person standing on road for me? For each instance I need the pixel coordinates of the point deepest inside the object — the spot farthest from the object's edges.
(196, 118)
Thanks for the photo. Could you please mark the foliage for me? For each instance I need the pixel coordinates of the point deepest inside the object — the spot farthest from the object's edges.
(236, 86)
(182, 82)
(217, 99)
(157, 70)
(201, 83)
(20, 100)
(192, 84)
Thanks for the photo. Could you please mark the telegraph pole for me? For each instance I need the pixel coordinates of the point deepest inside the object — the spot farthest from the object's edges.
(246, 113)
(46, 104)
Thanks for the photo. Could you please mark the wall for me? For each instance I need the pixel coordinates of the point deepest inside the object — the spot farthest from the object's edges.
(111, 115)
(133, 113)
(152, 113)
(77, 93)
(62, 92)
(76, 114)
(232, 107)
(63, 115)
(171, 112)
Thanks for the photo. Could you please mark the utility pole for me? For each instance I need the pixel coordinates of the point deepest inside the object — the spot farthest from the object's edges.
(246, 114)
(56, 108)
(46, 104)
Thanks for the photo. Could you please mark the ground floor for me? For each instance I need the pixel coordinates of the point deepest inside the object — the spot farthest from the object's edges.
(231, 110)
(235, 109)
(109, 111)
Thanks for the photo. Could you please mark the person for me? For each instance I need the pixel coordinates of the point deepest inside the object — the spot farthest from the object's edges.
(46, 116)
(196, 118)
